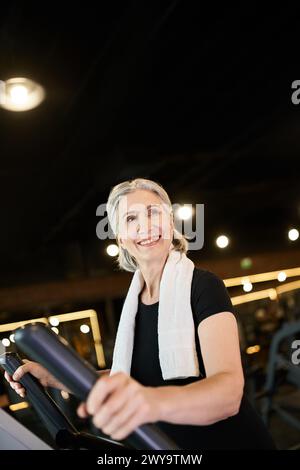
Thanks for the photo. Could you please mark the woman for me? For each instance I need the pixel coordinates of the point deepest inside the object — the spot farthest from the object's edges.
(177, 359)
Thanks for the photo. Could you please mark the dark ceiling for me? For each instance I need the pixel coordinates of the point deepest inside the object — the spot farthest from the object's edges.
(199, 100)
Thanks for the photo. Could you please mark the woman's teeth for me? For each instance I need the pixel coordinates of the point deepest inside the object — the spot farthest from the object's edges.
(149, 242)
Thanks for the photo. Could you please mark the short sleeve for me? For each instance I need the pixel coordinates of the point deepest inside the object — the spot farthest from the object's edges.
(208, 296)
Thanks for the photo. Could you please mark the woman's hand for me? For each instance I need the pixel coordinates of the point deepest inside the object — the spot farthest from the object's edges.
(119, 405)
(35, 369)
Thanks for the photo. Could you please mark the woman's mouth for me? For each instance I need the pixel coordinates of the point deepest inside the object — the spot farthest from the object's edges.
(147, 242)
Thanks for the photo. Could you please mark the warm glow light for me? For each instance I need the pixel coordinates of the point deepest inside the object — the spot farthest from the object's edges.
(185, 212)
(20, 94)
(293, 234)
(247, 286)
(19, 406)
(241, 299)
(272, 294)
(281, 276)
(84, 328)
(12, 338)
(66, 317)
(55, 329)
(265, 293)
(6, 342)
(288, 287)
(65, 395)
(253, 349)
(222, 241)
(112, 250)
(53, 321)
(19, 324)
(262, 277)
(92, 315)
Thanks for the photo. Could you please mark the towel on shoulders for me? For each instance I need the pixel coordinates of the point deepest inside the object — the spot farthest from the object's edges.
(176, 330)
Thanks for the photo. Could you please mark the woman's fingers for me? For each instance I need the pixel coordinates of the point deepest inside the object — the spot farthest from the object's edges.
(22, 370)
(121, 400)
(102, 388)
(118, 421)
(21, 391)
(8, 377)
(82, 411)
(129, 426)
(118, 405)
(18, 388)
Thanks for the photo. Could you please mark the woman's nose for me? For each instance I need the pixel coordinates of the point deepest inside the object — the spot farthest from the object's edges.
(143, 225)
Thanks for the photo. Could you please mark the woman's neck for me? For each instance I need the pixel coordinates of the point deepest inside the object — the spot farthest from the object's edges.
(152, 273)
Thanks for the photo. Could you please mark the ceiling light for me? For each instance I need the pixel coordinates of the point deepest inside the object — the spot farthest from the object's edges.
(53, 321)
(112, 250)
(293, 234)
(185, 212)
(12, 338)
(84, 328)
(281, 276)
(247, 286)
(20, 94)
(222, 241)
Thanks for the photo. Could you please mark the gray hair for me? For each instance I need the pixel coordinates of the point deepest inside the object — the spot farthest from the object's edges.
(125, 260)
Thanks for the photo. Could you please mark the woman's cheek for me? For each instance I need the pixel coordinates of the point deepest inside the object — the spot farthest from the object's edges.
(128, 235)
(131, 243)
(166, 235)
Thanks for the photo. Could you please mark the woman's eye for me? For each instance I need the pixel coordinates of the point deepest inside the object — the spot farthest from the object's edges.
(130, 218)
(154, 210)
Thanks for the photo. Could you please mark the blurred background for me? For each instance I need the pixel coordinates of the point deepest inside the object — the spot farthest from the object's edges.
(200, 101)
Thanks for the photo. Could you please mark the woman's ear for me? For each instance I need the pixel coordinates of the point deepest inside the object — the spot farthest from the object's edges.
(172, 225)
(120, 241)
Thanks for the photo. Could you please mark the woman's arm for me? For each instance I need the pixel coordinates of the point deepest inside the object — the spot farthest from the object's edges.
(219, 395)
(119, 404)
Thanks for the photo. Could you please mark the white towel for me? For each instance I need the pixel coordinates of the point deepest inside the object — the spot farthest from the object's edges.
(176, 330)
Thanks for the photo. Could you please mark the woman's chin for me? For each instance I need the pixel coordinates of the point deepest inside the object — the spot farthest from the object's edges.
(153, 253)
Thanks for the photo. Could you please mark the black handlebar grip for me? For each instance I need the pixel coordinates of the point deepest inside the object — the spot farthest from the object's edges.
(43, 345)
(44, 405)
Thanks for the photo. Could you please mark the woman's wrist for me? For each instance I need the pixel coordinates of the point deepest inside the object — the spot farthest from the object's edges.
(167, 399)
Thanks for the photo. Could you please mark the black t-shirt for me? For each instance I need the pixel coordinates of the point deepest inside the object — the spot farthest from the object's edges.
(242, 431)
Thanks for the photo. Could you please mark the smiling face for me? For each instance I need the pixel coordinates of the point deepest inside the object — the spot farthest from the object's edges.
(145, 226)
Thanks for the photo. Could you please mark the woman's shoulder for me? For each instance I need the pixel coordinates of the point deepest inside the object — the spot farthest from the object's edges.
(204, 278)
(208, 294)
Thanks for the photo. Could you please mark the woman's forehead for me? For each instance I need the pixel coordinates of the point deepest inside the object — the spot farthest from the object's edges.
(138, 200)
